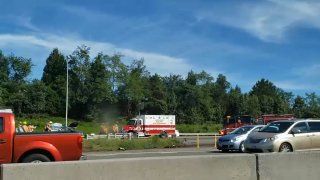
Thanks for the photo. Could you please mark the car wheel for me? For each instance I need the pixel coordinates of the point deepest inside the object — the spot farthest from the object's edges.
(285, 147)
(36, 158)
(242, 148)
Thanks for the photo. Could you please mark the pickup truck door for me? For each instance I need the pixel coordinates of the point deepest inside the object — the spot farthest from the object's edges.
(5, 144)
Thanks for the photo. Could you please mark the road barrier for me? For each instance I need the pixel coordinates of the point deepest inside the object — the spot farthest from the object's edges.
(240, 167)
(291, 166)
(272, 166)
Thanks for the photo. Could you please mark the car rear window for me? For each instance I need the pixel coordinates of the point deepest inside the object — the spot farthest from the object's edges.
(1, 124)
(314, 126)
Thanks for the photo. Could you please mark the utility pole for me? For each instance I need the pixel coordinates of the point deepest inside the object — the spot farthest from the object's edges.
(67, 94)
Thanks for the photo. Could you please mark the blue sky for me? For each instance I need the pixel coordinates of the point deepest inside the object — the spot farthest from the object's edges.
(244, 40)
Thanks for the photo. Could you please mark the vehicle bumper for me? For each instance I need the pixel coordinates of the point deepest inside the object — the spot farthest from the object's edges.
(228, 145)
(259, 147)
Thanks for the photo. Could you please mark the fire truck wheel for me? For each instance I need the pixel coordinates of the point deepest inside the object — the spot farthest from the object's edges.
(35, 158)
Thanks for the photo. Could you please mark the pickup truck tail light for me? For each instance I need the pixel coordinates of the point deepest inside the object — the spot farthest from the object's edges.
(80, 142)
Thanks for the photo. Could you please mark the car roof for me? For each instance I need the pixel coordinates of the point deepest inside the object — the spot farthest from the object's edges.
(298, 120)
(253, 125)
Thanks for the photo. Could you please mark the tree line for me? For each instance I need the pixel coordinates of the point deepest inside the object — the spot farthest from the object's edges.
(103, 86)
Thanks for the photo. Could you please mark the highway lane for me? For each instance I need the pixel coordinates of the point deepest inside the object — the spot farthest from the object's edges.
(156, 153)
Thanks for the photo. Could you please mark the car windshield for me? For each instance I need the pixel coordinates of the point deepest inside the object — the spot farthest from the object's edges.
(131, 122)
(276, 127)
(242, 130)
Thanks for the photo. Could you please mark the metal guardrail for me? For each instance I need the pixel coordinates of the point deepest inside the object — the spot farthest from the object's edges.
(108, 136)
(199, 134)
(128, 135)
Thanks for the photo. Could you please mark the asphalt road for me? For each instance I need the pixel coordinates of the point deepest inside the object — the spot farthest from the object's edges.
(190, 151)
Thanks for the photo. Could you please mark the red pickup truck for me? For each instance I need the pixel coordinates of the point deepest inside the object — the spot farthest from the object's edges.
(36, 147)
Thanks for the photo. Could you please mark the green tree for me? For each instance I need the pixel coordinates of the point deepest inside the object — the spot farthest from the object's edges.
(219, 96)
(252, 105)
(4, 68)
(313, 105)
(100, 89)
(173, 84)
(156, 96)
(35, 94)
(79, 63)
(134, 87)
(55, 76)
(19, 69)
(235, 103)
(118, 70)
(271, 99)
(264, 88)
(299, 107)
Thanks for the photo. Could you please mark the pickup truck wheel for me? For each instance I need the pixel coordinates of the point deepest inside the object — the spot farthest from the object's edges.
(36, 158)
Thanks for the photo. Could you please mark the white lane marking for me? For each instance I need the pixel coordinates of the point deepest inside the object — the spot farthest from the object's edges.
(138, 153)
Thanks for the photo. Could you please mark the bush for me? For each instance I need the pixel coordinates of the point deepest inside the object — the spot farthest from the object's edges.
(197, 128)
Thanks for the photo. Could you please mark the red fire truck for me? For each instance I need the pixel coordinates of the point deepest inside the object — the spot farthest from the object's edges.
(266, 119)
(230, 123)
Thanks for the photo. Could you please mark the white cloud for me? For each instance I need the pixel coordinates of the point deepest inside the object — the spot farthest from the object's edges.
(21, 21)
(303, 78)
(308, 72)
(156, 63)
(269, 21)
(295, 85)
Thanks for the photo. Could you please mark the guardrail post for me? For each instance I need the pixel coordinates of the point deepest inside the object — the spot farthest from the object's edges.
(198, 141)
(215, 141)
(130, 136)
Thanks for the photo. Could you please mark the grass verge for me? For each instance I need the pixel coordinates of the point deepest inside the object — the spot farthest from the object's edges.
(126, 144)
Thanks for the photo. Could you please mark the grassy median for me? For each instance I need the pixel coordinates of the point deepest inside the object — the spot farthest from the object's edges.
(126, 144)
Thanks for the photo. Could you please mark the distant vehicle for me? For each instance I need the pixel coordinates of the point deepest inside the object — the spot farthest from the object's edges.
(58, 127)
(268, 118)
(231, 123)
(235, 139)
(35, 147)
(285, 136)
(148, 125)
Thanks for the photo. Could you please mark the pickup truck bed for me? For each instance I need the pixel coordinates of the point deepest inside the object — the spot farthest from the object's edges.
(17, 147)
(63, 149)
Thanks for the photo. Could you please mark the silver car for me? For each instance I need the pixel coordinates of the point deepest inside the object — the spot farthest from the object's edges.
(235, 139)
(285, 136)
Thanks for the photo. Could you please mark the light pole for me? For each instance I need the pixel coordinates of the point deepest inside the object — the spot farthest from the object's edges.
(67, 93)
